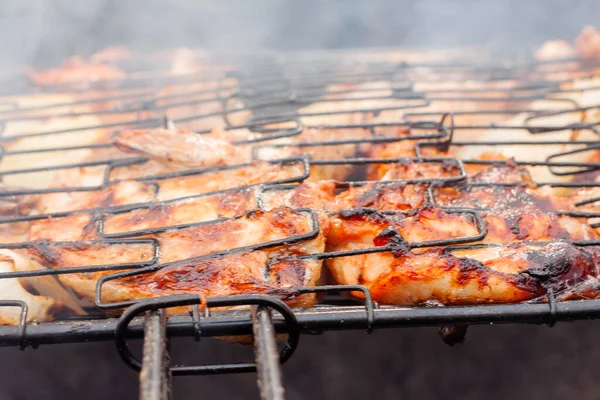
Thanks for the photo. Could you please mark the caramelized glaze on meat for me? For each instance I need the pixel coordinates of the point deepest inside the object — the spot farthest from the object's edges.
(316, 195)
(528, 228)
(511, 274)
(206, 208)
(381, 196)
(361, 227)
(193, 252)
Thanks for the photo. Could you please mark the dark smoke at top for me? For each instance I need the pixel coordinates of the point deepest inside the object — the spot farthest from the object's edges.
(43, 32)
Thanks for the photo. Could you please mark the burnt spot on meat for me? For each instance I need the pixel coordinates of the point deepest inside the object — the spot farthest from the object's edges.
(49, 255)
(555, 261)
(363, 213)
(514, 227)
(469, 269)
(222, 276)
(255, 214)
(57, 308)
(544, 203)
(385, 236)
(28, 286)
(391, 238)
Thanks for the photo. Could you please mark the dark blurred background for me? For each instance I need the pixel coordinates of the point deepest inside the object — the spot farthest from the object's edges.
(496, 362)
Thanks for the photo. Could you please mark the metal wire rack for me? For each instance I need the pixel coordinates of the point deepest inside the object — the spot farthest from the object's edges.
(276, 99)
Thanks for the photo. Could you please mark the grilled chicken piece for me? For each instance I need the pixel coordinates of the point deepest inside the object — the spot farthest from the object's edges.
(172, 179)
(257, 172)
(511, 273)
(361, 227)
(514, 214)
(173, 213)
(316, 195)
(507, 274)
(179, 148)
(179, 241)
(192, 263)
(477, 157)
(406, 168)
(588, 42)
(117, 194)
(344, 106)
(381, 196)
(197, 204)
(511, 213)
(152, 214)
(44, 211)
(533, 152)
(16, 134)
(50, 298)
(554, 49)
(523, 224)
(176, 149)
(76, 70)
(193, 207)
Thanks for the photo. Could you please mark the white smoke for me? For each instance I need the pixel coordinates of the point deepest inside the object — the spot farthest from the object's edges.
(43, 32)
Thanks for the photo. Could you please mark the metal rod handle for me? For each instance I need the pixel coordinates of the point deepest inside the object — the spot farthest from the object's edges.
(155, 375)
(267, 355)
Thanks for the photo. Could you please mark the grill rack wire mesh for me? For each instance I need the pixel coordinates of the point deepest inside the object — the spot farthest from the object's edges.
(281, 89)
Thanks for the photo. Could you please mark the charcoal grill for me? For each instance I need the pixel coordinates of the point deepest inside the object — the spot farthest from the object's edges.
(275, 88)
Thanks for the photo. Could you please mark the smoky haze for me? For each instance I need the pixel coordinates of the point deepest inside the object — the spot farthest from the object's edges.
(43, 32)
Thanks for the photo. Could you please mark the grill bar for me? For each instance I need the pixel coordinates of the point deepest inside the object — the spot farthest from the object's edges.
(320, 318)
(267, 357)
(155, 376)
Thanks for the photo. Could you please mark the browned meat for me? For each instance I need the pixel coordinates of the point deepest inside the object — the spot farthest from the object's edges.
(527, 243)
(192, 254)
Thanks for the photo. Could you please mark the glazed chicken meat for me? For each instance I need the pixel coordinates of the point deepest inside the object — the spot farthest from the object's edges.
(438, 183)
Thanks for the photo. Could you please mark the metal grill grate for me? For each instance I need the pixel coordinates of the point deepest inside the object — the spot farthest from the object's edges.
(277, 98)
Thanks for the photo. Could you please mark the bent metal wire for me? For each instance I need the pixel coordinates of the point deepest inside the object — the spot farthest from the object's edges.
(283, 90)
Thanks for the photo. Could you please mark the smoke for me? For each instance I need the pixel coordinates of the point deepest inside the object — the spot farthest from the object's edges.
(44, 32)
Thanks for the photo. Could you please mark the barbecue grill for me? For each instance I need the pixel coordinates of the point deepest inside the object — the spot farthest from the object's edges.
(276, 88)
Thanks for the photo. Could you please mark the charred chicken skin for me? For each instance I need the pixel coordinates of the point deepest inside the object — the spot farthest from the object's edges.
(205, 259)
(528, 246)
